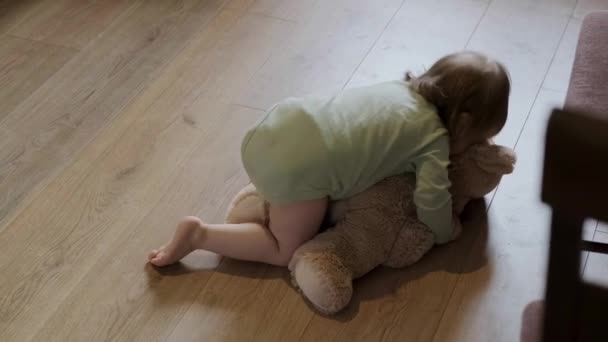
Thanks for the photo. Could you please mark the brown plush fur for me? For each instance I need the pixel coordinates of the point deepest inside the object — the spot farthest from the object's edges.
(376, 227)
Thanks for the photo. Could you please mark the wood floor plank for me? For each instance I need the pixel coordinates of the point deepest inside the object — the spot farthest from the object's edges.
(24, 67)
(525, 38)
(421, 32)
(79, 100)
(134, 301)
(71, 23)
(558, 77)
(13, 12)
(584, 7)
(242, 5)
(292, 311)
(487, 303)
(234, 305)
(294, 10)
(178, 112)
(548, 7)
(245, 302)
(59, 236)
(241, 51)
(323, 52)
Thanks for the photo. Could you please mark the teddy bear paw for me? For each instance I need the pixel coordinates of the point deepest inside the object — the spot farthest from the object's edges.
(323, 281)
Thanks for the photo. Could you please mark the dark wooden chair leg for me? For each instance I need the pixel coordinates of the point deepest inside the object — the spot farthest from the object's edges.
(561, 298)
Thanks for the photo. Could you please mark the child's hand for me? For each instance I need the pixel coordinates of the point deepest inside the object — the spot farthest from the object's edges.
(456, 227)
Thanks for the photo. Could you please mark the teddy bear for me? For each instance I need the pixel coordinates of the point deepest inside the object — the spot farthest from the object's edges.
(375, 227)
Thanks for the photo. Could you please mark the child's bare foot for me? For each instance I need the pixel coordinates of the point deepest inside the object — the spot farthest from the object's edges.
(187, 232)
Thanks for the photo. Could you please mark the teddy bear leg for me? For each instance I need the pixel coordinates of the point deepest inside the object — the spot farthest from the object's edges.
(412, 243)
(247, 206)
(329, 288)
(324, 267)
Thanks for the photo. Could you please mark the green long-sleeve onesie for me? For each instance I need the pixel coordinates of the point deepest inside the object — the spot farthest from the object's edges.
(337, 146)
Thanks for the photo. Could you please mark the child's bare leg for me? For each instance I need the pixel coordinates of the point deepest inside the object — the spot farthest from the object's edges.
(290, 226)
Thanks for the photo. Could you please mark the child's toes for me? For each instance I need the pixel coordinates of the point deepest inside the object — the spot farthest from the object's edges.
(160, 259)
(156, 260)
(152, 254)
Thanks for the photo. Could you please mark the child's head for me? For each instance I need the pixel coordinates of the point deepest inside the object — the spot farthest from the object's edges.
(471, 94)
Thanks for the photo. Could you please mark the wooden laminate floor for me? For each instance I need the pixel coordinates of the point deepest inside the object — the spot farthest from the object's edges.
(117, 117)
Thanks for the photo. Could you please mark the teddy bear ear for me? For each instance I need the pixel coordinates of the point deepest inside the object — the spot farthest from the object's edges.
(495, 159)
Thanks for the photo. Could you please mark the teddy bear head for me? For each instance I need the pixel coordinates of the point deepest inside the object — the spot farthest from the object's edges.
(478, 170)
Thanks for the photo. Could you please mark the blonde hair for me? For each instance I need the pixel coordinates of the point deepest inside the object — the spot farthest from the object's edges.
(466, 82)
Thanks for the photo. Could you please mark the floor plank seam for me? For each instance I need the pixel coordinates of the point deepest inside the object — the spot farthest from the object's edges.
(247, 106)
(371, 48)
(269, 16)
(114, 22)
(540, 88)
(458, 278)
(261, 66)
(42, 42)
(82, 50)
(483, 15)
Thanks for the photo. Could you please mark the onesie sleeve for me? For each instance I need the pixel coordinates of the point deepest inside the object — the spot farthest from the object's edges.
(431, 196)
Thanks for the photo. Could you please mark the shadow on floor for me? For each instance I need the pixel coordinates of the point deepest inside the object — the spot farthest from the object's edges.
(465, 255)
